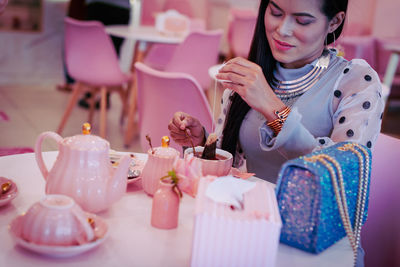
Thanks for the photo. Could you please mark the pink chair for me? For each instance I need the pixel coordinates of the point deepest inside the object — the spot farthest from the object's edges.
(182, 6)
(159, 55)
(240, 31)
(196, 54)
(160, 95)
(381, 233)
(92, 61)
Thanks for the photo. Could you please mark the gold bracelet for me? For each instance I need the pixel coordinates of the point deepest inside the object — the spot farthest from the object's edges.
(276, 125)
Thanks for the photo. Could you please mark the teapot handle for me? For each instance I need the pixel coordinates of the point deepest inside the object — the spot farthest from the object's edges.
(38, 150)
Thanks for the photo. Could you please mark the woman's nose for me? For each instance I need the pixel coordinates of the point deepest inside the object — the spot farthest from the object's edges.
(285, 27)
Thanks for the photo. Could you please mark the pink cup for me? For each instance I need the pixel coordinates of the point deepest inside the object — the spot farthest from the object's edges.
(220, 167)
(56, 220)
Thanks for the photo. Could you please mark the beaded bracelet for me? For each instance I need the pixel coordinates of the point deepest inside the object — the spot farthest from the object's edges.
(276, 125)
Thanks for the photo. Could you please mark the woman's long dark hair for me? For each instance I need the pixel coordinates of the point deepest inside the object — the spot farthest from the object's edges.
(260, 53)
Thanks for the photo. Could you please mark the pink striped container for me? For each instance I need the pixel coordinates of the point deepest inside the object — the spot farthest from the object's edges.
(158, 164)
(223, 236)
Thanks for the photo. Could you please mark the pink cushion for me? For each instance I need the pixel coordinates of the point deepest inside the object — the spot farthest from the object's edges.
(380, 235)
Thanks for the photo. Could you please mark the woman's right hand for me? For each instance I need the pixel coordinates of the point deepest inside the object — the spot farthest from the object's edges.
(184, 127)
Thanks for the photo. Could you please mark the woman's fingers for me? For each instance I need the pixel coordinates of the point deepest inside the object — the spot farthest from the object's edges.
(184, 127)
(240, 71)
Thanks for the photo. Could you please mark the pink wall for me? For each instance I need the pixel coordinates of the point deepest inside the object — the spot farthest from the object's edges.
(386, 19)
(379, 18)
(360, 15)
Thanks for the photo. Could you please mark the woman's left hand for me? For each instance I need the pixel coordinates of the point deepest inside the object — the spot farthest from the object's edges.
(248, 80)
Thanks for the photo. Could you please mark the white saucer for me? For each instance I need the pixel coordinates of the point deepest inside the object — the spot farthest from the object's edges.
(9, 195)
(100, 232)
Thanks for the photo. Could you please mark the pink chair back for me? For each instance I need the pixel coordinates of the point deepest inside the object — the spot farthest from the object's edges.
(196, 54)
(182, 6)
(90, 55)
(159, 55)
(240, 30)
(380, 235)
(160, 95)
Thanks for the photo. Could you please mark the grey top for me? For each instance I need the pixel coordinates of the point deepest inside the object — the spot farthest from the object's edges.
(344, 105)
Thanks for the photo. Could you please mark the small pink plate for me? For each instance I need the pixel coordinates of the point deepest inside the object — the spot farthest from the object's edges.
(139, 165)
(10, 194)
(100, 232)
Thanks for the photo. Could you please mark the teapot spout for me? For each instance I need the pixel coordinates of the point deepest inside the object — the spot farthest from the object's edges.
(119, 180)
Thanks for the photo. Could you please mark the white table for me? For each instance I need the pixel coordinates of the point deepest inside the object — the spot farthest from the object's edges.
(132, 241)
(143, 33)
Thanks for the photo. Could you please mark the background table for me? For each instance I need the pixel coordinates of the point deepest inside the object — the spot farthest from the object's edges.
(132, 241)
(144, 35)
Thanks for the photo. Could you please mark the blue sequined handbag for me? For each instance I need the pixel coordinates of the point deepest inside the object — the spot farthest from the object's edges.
(323, 196)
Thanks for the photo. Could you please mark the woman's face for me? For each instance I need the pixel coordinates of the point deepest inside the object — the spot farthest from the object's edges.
(296, 31)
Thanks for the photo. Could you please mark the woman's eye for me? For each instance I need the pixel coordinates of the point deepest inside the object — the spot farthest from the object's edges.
(275, 12)
(303, 21)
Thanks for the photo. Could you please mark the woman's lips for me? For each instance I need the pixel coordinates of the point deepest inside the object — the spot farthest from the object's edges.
(282, 45)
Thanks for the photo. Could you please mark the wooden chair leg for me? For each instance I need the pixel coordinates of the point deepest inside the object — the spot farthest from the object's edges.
(91, 102)
(103, 110)
(131, 115)
(123, 95)
(71, 104)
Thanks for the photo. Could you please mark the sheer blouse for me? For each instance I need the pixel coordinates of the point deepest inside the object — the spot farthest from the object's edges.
(344, 105)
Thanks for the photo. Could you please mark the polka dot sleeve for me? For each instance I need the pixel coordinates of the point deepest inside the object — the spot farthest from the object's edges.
(355, 109)
(357, 105)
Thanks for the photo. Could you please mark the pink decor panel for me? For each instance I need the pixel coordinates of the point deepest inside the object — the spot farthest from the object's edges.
(226, 237)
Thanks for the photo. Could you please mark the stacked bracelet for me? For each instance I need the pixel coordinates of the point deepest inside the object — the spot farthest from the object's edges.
(276, 125)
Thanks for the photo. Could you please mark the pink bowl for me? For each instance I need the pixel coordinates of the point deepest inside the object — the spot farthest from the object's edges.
(220, 167)
(56, 220)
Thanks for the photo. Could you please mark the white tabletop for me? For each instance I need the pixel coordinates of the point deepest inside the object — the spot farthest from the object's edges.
(132, 241)
(143, 33)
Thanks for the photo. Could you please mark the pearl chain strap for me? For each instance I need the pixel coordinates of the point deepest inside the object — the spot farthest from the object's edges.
(338, 186)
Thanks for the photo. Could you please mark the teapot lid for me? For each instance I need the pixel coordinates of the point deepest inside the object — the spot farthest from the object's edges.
(86, 141)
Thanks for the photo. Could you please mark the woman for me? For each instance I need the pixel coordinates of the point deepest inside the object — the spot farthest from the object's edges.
(292, 95)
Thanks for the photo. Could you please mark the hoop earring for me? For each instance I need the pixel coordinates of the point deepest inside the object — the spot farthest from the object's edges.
(326, 41)
(334, 40)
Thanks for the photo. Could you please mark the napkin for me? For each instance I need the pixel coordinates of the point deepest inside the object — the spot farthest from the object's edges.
(229, 190)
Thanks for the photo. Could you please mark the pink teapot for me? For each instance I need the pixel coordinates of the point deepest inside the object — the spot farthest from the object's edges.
(83, 170)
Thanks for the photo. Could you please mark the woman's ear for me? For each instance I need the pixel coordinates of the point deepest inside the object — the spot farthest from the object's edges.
(336, 21)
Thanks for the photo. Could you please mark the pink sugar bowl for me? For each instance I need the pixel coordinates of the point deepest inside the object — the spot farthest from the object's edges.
(160, 160)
